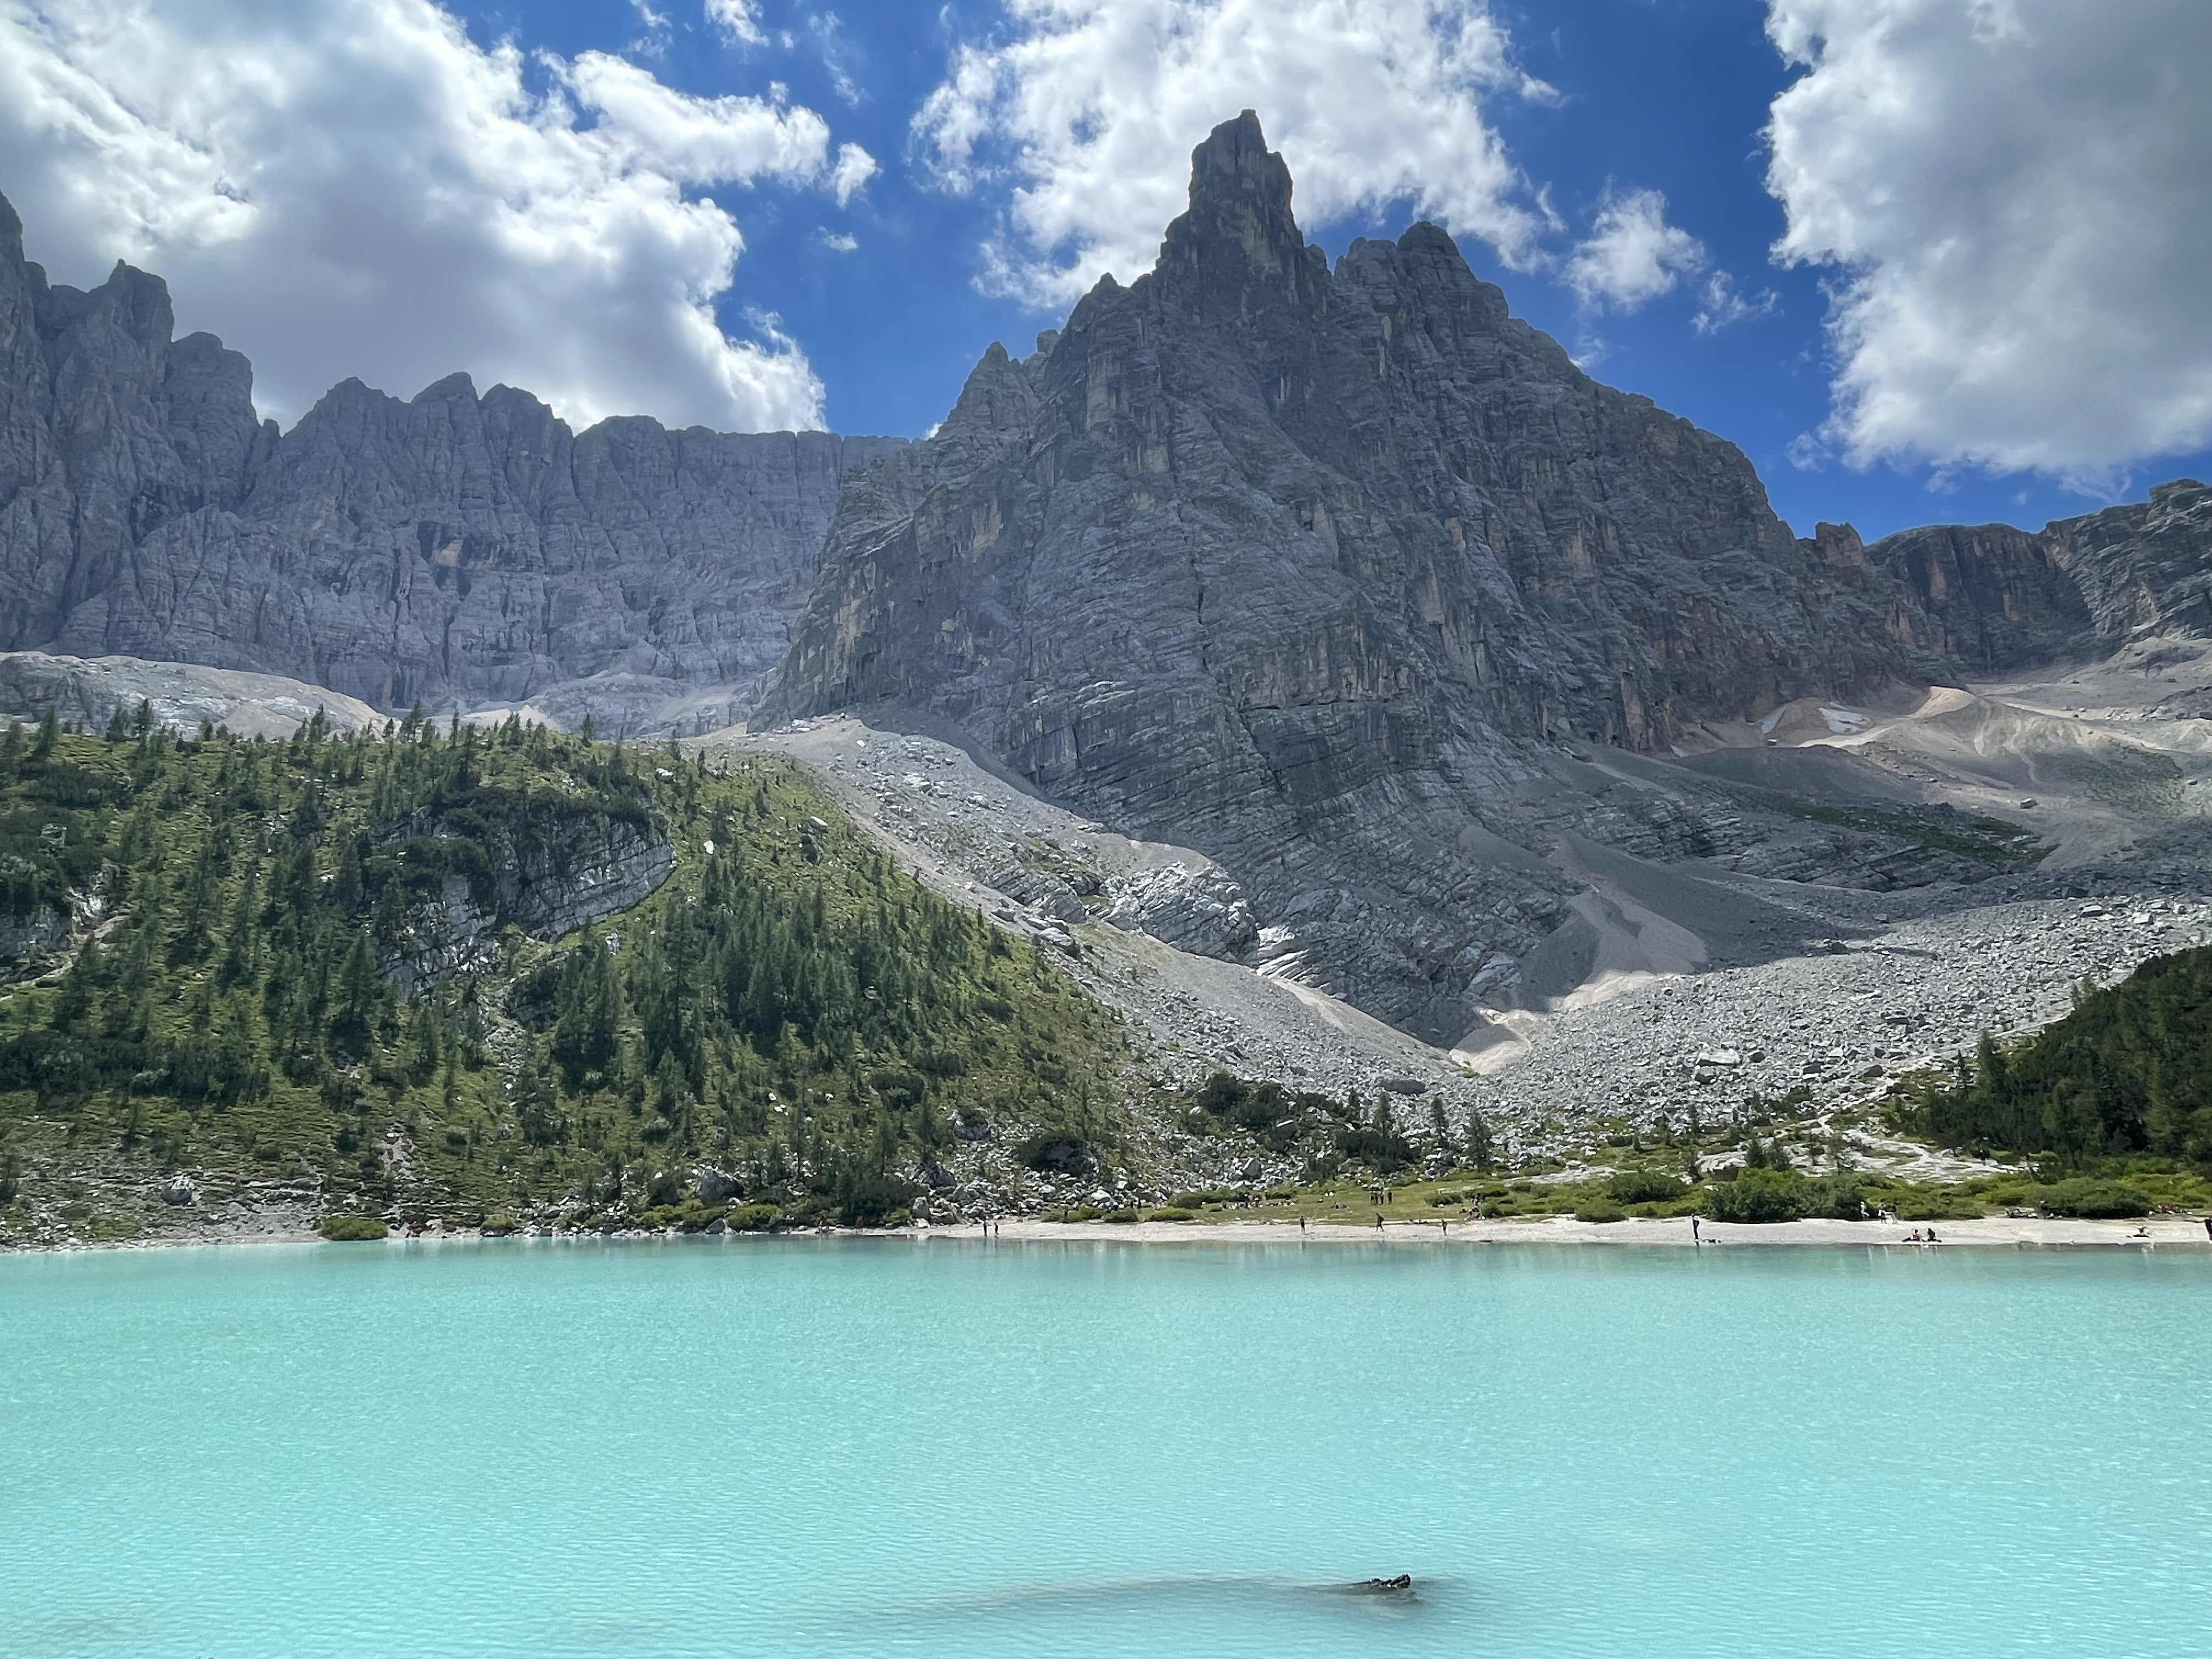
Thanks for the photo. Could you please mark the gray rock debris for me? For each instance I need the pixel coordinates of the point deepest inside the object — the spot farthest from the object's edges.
(182, 696)
(714, 1186)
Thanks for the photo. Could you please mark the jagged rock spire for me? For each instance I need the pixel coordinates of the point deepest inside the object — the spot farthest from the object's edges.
(1239, 240)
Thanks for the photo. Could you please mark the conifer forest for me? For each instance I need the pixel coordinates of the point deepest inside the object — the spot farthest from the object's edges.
(467, 972)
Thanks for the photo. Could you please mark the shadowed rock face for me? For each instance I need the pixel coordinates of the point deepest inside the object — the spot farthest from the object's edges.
(1317, 570)
(451, 548)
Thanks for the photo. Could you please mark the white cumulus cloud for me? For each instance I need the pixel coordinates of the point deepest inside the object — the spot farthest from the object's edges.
(342, 187)
(1086, 111)
(1632, 254)
(855, 167)
(2017, 196)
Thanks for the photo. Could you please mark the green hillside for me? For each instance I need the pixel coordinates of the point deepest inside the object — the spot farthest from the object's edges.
(337, 962)
(2129, 1072)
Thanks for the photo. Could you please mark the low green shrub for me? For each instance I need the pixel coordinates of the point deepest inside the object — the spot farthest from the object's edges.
(752, 1219)
(499, 1223)
(1691, 1202)
(1644, 1186)
(1080, 1212)
(1121, 1215)
(870, 1199)
(1056, 1149)
(1204, 1196)
(1379, 1149)
(1836, 1198)
(1171, 1212)
(352, 1228)
(2092, 1200)
(1600, 1209)
(1760, 1195)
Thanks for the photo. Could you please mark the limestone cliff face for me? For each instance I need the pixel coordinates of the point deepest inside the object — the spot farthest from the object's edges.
(1998, 598)
(451, 547)
(2142, 568)
(1312, 496)
(1988, 597)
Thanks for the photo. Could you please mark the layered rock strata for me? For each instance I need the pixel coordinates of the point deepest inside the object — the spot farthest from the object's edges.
(452, 549)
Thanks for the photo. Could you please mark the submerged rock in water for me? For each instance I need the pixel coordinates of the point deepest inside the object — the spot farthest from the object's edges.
(1402, 1584)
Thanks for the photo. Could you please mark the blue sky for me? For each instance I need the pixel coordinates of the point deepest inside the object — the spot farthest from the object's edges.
(2026, 338)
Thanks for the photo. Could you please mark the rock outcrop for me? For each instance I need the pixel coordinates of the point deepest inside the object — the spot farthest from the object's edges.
(29, 939)
(2000, 597)
(1341, 576)
(546, 871)
(452, 549)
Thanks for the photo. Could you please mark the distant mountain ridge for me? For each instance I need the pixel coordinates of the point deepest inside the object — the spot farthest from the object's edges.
(449, 548)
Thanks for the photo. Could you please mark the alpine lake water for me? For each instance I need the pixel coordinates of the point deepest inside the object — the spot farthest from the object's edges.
(878, 1447)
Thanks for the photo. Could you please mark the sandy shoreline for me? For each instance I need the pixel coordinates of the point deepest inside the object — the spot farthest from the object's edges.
(2165, 1232)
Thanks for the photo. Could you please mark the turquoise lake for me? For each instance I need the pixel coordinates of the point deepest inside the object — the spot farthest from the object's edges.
(791, 1448)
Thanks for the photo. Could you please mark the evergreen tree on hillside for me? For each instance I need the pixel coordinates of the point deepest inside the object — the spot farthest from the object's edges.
(2128, 1071)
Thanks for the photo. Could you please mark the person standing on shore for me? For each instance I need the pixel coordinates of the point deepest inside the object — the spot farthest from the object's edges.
(2208, 1227)
(1694, 1240)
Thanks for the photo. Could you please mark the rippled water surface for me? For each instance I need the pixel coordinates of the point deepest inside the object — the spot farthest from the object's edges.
(789, 1449)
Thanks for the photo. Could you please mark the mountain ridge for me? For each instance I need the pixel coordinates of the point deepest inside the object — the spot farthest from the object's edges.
(451, 547)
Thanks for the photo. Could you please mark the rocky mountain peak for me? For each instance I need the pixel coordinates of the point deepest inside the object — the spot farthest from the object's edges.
(457, 388)
(1239, 242)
